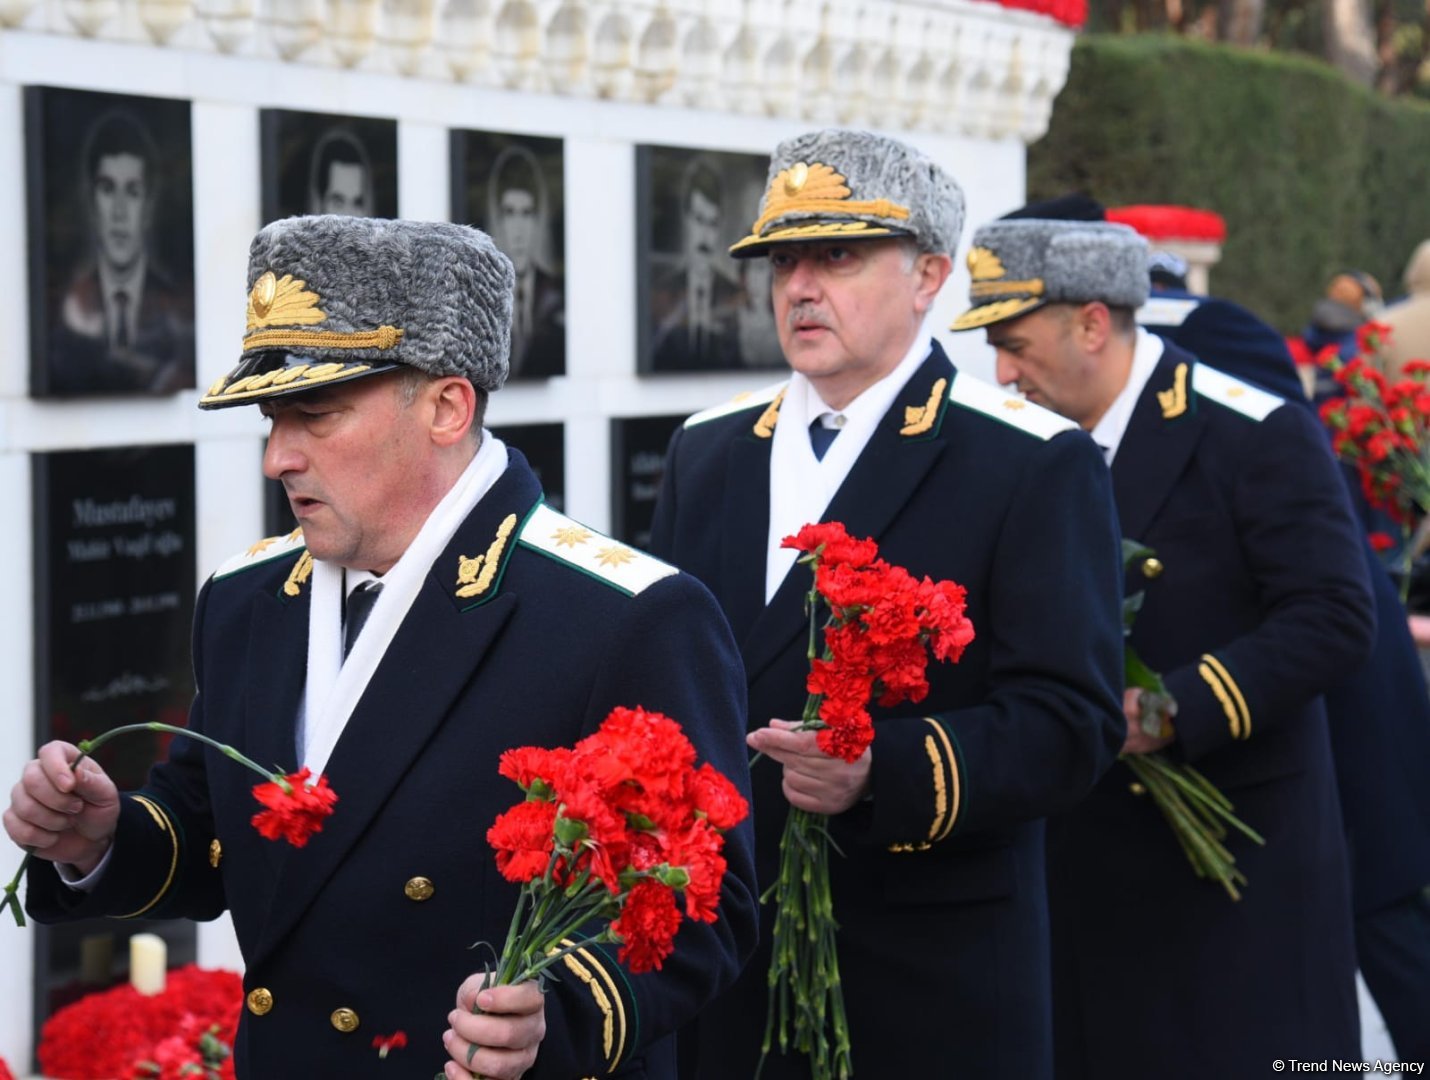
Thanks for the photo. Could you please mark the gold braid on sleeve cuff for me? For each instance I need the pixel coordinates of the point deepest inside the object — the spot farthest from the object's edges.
(1226, 691)
(161, 819)
(586, 965)
(947, 788)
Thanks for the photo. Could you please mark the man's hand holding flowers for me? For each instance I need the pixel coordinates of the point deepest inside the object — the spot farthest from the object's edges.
(1139, 740)
(813, 780)
(505, 1025)
(66, 813)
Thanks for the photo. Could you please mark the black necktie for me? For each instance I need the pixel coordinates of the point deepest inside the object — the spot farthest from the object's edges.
(359, 607)
(121, 319)
(820, 437)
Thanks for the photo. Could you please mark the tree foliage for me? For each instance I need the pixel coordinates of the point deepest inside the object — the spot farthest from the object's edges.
(1381, 43)
(1312, 173)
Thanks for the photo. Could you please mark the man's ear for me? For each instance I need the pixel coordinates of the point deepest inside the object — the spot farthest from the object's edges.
(1092, 325)
(932, 270)
(454, 409)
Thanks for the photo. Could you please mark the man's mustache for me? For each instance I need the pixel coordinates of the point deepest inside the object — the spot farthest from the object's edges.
(807, 314)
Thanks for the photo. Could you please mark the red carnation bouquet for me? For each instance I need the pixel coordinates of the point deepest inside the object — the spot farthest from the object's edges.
(295, 805)
(184, 1032)
(1381, 428)
(882, 625)
(611, 831)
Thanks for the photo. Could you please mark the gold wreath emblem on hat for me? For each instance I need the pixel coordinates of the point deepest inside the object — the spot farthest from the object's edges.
(284, 301)
(984, 265)
(818, 189)
(795, 177)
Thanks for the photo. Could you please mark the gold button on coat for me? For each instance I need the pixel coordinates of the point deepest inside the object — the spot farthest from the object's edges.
(419, 888)
(1136, 788)
(344, 1020)
(215, 852)
(260, 1001)
(1152, 568)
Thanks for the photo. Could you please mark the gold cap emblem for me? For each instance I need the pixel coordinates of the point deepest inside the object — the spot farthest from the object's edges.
(260, 1001)
(795, 176)
(264, 290)
(282, 301)
(984, 265)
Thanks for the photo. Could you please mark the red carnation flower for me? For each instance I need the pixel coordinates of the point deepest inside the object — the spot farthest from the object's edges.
(296, 809)
(833, 545)
(647, 926)
(529, 764)
(718, 799)
(384, 1043)
(523, 840)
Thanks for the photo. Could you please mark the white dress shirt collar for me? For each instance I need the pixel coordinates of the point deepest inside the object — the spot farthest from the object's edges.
(802, 485)
(1109, 430)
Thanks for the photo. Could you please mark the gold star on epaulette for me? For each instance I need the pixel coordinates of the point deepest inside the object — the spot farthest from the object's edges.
(571, 535)
(263, 545)
(615, 555)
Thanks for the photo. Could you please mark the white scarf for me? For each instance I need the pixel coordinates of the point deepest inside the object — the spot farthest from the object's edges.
(802, 485)
(335, 687)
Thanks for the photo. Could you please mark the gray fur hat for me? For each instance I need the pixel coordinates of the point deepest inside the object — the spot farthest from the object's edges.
(334, 298)
(854, 185)
(1022, 264)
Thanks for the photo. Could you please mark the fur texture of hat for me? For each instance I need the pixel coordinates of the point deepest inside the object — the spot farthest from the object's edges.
(1018, 266)
(343, 297)
(888, 188)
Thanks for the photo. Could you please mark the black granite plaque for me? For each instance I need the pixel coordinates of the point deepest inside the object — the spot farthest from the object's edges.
(513, 188)
(109, 195)
(637, 463)
(318, 163)
(697, 309)
(114, 600)
(544, 447)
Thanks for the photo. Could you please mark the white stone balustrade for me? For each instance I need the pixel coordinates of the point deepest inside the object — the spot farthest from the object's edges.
(956, 66)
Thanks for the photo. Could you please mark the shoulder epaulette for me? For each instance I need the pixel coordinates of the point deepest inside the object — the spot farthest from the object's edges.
(263, 551)
(618, 565)
(1239, 396)
(996, 402)
(747, 400)
(1166, 311)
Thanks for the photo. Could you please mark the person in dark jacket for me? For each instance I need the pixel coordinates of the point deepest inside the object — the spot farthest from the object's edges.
(939, 895)
(1255, 602)
(371, 348)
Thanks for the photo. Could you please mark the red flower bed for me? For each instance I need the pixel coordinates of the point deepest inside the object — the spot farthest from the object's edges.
(110, 1035)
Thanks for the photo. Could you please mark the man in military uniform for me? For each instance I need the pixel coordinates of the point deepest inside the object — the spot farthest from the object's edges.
(371, 347)
(1379, 713)
(939, 894)
(1256, 602)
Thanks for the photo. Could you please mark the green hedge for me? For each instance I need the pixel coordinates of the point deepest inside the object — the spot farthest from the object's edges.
(1312, 173)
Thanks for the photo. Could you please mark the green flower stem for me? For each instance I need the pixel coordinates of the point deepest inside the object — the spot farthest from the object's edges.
(87, 747)
(1209, 858)
(806, 1006)
(1200, 788)
(546, 914)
